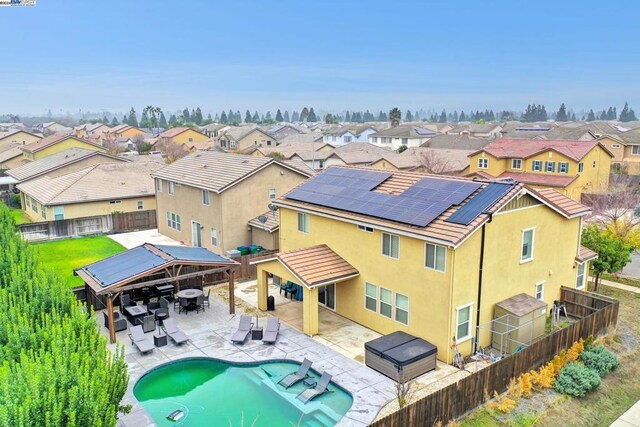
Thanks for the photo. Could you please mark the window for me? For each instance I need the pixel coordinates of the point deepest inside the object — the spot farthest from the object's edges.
(333, 138)
(580, 167)
(190, 139)
(371, 297)
(386, 297)
(115, 202)
(385, 140)
(516, 163)
(594, 163)
(214, 237)
(550, 166)
(540, 291)
(615, 145)
(140, 205)
(374, 139)
(483, 163)
(205, 197)
(303, 222)
(563, 167)
(537, 166)
(171, 188)
(635, 150)
(347, 138)
(320, 164)
(405, 141)
(34, 205)
(402, 309)
(58, 213)
(365, 228)
(463, 323)
(527, 245)
(44, 212)
(580, 276)
(173, 221)
(390, 245)
(435, 256)
(158, 185)
(272, 193)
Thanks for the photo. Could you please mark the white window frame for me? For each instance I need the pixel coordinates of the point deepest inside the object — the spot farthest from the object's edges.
(615, 145)
(140, 205)
(563, 167)
(580, 167)
(396, 308)
(214, 237)
(174, 221)
(58, 211)
(551, 169)
(635, 150)
(582, 265)
(390, 254)
(533, 240)
(272, 193)
(365, 228)
(483, 163)
(158, 185)
(303, 226)
(206, 197)
(374, 298)
(347, 138)
(171, 188)
(536, 166)
(470, 321)
(516, 164)
(382, 303)
(539, 291)
(436, 248)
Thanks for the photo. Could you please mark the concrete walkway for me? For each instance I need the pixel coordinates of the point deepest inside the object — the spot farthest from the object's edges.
(621, 286)
(137, 238)
(631, 418)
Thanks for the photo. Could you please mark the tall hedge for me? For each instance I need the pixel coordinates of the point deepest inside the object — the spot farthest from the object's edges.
(55, 368)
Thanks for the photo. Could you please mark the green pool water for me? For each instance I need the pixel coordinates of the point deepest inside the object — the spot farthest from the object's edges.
(213, 392)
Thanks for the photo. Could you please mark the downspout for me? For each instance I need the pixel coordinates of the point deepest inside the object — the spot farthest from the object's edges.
(480, 273)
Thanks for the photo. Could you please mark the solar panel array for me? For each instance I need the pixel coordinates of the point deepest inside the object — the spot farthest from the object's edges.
(350, 190)
(480, 203)
(126, 264)
(423, 131)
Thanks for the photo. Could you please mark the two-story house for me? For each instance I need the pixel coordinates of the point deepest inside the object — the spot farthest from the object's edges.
(182, 136)
(124, 131)
(572, 167)
(17, 137)
(241, 138)
(56, 143)
(342, 135)
(424, 254)
(407, 135)
(208, 198)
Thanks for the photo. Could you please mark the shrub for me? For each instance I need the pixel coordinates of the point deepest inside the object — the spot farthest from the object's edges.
(600, 360)
(577, 380)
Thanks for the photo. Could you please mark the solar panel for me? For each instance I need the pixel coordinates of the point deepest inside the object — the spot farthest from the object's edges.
(351, 190)
(126, 264)
(423, 131)
(480, 203)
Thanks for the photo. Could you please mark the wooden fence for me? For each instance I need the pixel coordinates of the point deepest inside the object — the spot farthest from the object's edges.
(455, 400)
(140, 220)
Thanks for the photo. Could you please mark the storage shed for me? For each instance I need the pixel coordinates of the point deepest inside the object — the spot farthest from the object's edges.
(400, 356)
(517, 321)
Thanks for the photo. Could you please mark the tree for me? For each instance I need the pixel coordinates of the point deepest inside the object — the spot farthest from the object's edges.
(133, 120)
(347, 116)
(255, 118)
(105, 120)
(198, 116)
(144, 120)
(237, 117)
(613, 253)
(279, 118)
(268, 117)
(561, 115)
(286, 116)
(172, 150)
(125, 120)
(295, 117)
(312, 116)
(330, 119)
(627, 114)
(163, 121)
(114, 122)
(402, 148)
(591, 116)
(434, 162)
(443, 117)
(223, 118)
(463, 117)
(408, 116)
(247, 116)
(186, 115)
(395, 115)
(172, 120)
(304, 114)
(382, 117)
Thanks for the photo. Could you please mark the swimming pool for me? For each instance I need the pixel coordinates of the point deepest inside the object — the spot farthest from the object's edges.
(213, 392)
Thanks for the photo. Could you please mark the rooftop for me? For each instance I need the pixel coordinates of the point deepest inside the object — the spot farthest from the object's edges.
(524, 148)
(540, 179)
(50, 140)
(405, 131)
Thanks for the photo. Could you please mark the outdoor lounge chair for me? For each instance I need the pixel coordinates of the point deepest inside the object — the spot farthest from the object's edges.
(270, 334)
(244, 329)
(299, 375)
(313, 392)
(139, 340)
(170, 327)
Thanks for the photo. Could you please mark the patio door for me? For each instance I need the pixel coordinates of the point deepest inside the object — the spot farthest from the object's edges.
(327, 296)
(196, 234)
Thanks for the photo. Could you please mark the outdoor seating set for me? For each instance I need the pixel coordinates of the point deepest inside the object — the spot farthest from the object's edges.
(291, 290)
(268, 335)
(144, 345)
(191, 300)
(315, 388)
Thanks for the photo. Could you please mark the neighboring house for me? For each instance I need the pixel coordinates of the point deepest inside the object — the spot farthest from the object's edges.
(50, 128)
(124, 143)
(571, 167)
(61, 163)
(11, 127)
(436, 269)
(626, 149)
(207, 198)
(214, 129)
(96, 131)
(315, 137)
(279, 132)
(11, 156)
(96, 190)
(484, 130)
(395, 137)
(56, 143)
(182, 136)
(240, 138)
(429, 160)
(17, 137)
(124, 131)
(347, 134)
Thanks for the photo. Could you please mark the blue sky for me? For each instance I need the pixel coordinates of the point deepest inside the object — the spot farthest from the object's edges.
(333, 55)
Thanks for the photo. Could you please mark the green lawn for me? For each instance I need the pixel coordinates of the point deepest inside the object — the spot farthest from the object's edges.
(63, 256)
(19, 217)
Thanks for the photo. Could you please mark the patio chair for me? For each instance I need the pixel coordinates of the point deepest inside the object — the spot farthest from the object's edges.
(313, 392)
(184, 305)
(171, 329)
(149, 323)
(126, 301)
(244, 329)
(139, 340)
(119, 323)
(206, 299)
(299, 375)
(199, 303)
(270, 334)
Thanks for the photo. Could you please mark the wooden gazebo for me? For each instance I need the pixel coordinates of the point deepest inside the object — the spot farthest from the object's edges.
(151, 265)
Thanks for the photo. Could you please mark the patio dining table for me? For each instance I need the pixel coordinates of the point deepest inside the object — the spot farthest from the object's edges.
(135, 312)
(190, 295)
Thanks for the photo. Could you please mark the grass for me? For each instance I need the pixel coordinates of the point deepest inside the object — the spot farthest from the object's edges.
(63, 256)
(19, 217)
(620, 279)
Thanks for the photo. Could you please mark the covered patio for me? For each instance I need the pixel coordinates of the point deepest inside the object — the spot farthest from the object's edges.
(314, 269)
(151, 265)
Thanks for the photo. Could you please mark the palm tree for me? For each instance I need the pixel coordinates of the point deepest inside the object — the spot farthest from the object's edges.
(395, 115)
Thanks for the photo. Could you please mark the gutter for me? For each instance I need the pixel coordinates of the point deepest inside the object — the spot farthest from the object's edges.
(480, 274)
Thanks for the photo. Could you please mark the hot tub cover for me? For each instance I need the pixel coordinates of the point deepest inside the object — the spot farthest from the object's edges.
(401, 348)
(387, 342)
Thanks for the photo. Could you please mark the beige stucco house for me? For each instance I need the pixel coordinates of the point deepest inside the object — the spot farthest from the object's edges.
(208, 198)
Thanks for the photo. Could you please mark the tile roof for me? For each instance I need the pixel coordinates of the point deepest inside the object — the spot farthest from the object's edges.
(357, 153)
(524, 148)
(272, 221)
(586, 254)
(12, 151)
(50, 140)
(170, 133)
(317, 265)
(55, 161)
(456, 142)
(540, 179)
(444, 160)
(105, 181)
(564, 204)
(405, 131)
(213, 170)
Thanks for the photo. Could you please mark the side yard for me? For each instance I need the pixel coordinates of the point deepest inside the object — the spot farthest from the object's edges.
(65, 255)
